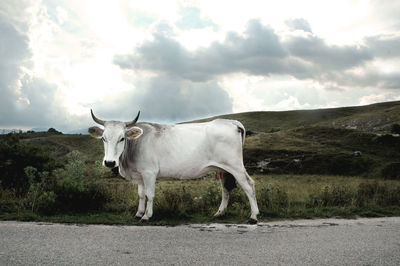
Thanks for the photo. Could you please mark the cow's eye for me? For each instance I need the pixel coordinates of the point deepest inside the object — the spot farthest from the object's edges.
(103, 139)
(121, 140)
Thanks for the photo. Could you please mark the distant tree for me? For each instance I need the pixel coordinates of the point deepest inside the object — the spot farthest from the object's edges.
(395, 129)
(53, 130)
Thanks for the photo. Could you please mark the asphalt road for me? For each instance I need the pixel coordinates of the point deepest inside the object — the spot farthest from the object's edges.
(304, 242)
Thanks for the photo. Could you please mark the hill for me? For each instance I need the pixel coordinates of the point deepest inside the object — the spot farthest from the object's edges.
(339, 141)
(370, 118)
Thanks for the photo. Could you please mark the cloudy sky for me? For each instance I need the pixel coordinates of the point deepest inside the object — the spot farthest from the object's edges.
(182, 60)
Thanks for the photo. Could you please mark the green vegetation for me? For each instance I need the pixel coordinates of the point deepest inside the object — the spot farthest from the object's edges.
(322, 163)
(395, 129)
(114, 201)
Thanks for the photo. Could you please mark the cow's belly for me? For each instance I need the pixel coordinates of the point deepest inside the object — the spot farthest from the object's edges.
(188, 172)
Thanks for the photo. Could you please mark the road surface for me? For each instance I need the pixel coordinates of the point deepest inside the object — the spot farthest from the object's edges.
(303, 242)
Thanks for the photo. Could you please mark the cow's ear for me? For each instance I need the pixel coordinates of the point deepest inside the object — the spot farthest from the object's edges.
(134, 133)
(96, 132)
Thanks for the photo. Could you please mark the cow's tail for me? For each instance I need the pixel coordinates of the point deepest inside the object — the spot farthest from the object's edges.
(241, 130)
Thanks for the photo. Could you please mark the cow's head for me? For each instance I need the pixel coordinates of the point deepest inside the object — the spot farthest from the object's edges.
(114, 135)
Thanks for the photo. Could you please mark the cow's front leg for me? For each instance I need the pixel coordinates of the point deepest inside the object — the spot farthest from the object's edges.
(142, 201)
(149, 189)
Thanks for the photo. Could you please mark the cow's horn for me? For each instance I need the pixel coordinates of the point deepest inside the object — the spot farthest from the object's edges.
(133, 122)
(98, 121)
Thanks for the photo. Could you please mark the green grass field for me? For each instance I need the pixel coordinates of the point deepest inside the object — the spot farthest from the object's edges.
(195, 201)
(303, 163)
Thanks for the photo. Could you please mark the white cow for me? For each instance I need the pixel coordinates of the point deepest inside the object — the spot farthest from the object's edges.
(144, 151)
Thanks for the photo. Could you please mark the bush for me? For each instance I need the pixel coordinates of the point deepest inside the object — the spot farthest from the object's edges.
(174, 202)
(63, 190)
(391, 171)
(47, 202)
(395, 129)
(389, 141)
(336, 196)
(272, 197)
(377, 194)
(335, 164)
(210, 200)
(73, 191)
(331, 196)
(15, 157)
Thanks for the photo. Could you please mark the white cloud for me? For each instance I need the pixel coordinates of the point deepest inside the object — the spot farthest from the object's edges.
(291, 103)
(241, 90)
(62, 15)
(373, 98)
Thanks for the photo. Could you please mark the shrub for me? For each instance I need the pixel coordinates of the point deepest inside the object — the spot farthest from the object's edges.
(211, 199)
(391, 171)
(395, 129)
(331, 196)
(377, 194)
(173, 202)
(74, 192)
(336, 196)
(272, 197)
(8, 201)
(388, 140)
(335, 164)
(15, 157)
(46, 202)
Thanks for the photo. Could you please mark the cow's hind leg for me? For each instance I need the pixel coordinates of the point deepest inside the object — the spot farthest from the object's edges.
(247, 183)
(227, 183)
(250, 181)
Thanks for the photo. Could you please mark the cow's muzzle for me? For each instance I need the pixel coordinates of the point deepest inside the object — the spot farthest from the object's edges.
(109, 164)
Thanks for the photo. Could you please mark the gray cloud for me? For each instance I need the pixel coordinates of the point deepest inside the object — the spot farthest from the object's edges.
(168, 99)
(327, 57)
(299, 24)
(384, 46)
(367, 78)
(13, 51)
(41, 109)
(24, 101)
(260, 51)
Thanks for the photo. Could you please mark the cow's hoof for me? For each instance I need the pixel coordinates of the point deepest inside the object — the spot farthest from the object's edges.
(219, 214)
(252, 221)
(143, 220)
(138, 217)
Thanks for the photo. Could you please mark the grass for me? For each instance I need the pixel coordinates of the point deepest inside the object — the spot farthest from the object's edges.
(374, 117)
(195, 201)
(309, 171)
(319, 138)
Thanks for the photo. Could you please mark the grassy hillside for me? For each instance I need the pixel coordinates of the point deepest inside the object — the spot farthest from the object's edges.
(372, 118)
(323, 141)
(302, 142)
(310, 163)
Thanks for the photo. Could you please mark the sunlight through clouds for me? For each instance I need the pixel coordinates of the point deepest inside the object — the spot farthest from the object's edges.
(247, 55)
